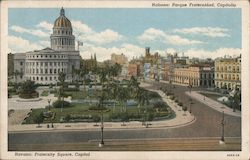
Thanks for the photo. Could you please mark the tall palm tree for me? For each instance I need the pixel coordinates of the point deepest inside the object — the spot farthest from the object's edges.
(142, 98)
(123, 95)
(16, 73)
(83, 74)
(61, 78)
(133, 86)
(114, 89)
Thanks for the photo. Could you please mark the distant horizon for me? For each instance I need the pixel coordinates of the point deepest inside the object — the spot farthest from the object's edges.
(199, 33)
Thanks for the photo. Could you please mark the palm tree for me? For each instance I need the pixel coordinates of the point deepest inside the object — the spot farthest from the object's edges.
(83, 73)
(61, 78)
(142, 98)
(16, 73)
(114, 90)
(133, 86)
(123, 95)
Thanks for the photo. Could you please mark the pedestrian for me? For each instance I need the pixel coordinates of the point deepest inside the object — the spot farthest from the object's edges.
(204, 98)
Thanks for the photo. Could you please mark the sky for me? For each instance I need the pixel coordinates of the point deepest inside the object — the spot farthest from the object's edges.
(203, 33)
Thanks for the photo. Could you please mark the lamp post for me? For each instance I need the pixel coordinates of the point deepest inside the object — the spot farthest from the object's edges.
(49, 100)
(190, 107)
(222, 140)
(101, 144)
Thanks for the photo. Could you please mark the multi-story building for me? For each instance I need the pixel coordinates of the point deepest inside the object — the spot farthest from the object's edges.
(120, 59)
(43, 66)
(133, 70)
(228, 73)
(195, 75)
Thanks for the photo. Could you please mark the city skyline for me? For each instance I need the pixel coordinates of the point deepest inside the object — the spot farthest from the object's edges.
(196, 32)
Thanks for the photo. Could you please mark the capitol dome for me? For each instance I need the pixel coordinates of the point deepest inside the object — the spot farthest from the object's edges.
(62, 38)
(62, 21)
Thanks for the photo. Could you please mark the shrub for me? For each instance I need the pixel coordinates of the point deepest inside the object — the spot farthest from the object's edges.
(58, 104)
(71, 89)
(159, 104)
(96, 118)
(67, 118)
(184, 108)
(97, 108)
(150, 117)
(180, 104)
(38, 118)
(29, 95)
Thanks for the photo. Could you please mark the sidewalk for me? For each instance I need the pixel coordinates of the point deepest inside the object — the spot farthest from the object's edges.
(214, 104)
(182, 119)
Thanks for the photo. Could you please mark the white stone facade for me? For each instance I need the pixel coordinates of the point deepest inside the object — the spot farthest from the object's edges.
(43, 66)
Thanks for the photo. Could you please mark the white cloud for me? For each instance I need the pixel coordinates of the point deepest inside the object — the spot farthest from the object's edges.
(206, 31)
(102, 53)
(153, 34)
(221, 52)
(38, 32)
(44, 43)
(84, 33)
(45, 25)
(81, 28)
(18, 44)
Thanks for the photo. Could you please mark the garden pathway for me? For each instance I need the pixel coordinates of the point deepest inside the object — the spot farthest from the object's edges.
(214, 104)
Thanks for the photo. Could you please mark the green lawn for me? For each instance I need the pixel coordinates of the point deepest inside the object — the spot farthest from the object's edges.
(78, 111)
(83, 110)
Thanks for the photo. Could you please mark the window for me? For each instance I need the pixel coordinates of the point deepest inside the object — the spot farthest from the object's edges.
(50, 78)
(50, 71)
(21, 63)
(46, 63)
(41, 71)
(54, 78)
(37, 71)
(54, 63)
(37, 63)
(41, 63)
(50, 56)
(46, 71)
(41, 78)
(33, 78)
(54, 71)
(46, 56)
(50, 63)
(37, 78)
(46, 79)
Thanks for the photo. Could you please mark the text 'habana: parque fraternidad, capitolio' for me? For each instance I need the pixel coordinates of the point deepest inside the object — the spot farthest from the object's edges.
(193, 4)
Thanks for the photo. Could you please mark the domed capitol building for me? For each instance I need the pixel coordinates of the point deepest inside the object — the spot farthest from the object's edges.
(43, 66)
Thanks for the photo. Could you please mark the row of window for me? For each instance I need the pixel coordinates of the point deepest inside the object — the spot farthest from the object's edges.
(45, 71)
(227, 68)
(228, 76)
(43, 78)
(46, 56)
(46, 63)
(62, 32)
(63, 41)
(227, 85)
(207, 76)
